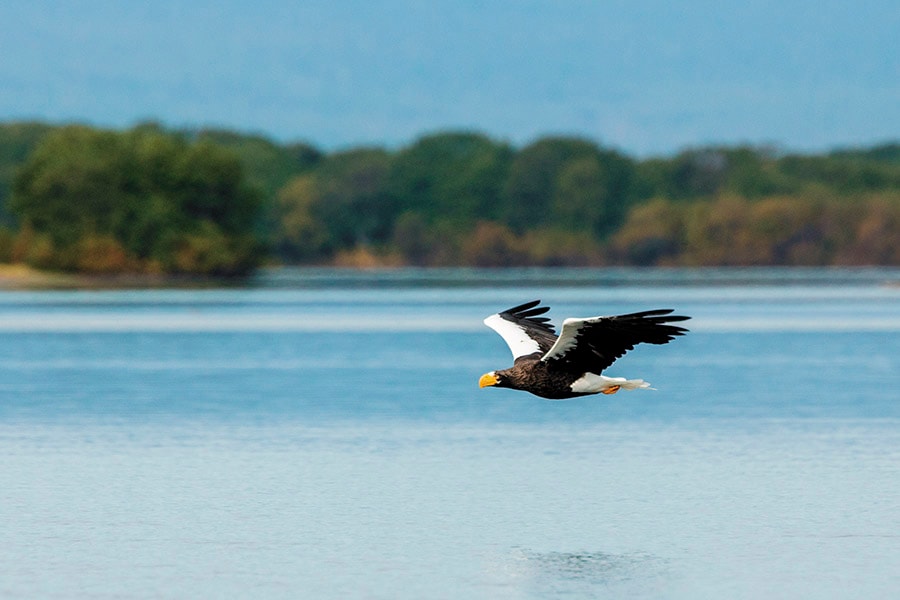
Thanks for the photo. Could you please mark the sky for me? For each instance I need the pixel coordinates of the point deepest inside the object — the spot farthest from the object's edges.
(648, 77)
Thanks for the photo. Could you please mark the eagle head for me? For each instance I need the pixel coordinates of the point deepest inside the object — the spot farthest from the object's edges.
(490, 379)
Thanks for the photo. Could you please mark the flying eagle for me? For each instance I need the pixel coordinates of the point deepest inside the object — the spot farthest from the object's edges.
(570, 365)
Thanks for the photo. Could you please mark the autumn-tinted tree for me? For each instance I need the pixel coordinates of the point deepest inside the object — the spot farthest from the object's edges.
(652, 235)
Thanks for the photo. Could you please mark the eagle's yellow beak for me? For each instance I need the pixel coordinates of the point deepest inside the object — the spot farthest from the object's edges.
(487, 379)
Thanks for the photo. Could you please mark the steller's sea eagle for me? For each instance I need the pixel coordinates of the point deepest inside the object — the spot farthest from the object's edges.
(570, 365)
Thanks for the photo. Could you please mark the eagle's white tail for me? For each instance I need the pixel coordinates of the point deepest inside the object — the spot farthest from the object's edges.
(590, 383)
(634, 384)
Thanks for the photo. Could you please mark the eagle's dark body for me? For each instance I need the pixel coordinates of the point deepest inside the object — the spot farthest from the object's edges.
(528, 373)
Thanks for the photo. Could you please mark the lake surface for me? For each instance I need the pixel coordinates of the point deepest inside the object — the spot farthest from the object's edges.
(321, 434)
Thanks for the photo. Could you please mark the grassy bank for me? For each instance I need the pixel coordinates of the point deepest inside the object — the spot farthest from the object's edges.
(21, 276)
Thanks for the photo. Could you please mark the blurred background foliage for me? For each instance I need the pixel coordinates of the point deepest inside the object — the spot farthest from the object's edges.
(215, 202)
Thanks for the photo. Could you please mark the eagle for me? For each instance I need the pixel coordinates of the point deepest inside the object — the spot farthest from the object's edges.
(570, 365)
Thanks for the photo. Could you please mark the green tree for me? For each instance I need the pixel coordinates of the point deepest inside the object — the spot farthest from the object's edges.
(267, 165)
(529, 190)
(567, 182)
(151, 193)
(341, 205)
(17, 141)
(454, 177)
(591, 193)
(76, 183)
(355, 206)
(842, 174)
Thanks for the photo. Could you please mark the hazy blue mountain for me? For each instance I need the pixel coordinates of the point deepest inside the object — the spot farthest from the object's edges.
(647, 76)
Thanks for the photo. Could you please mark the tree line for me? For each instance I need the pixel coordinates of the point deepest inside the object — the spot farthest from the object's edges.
(157, 200)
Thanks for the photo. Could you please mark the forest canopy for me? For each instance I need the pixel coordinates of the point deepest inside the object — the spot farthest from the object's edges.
(155, 200)
(141, 201)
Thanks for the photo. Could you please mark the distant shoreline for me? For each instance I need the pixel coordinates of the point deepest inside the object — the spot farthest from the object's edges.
(22, 277)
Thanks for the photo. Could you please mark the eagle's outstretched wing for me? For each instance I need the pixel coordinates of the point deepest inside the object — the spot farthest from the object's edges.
(523, 330)
(592, 344)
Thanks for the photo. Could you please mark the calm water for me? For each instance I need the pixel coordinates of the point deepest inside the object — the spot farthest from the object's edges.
(322, 435)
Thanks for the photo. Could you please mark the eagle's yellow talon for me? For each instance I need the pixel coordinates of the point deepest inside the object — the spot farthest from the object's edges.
(612, 390)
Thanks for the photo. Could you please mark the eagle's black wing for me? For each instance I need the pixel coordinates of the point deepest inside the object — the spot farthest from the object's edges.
(523, 329)
(593, 344)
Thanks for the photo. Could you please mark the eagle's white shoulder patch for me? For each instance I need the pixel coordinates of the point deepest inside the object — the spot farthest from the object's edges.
(568, 338)
(520, 344)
